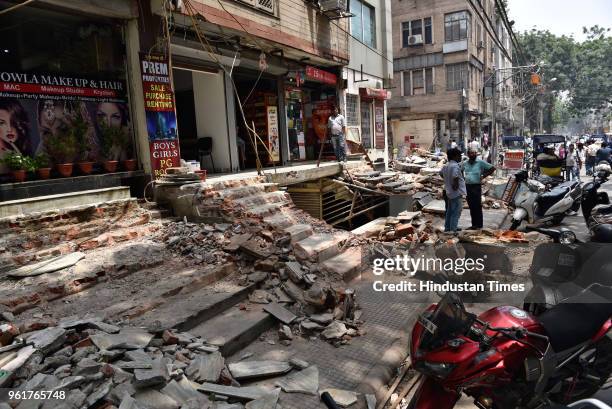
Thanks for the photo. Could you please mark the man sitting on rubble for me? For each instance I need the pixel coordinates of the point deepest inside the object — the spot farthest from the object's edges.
(454, 190)
(474, 171)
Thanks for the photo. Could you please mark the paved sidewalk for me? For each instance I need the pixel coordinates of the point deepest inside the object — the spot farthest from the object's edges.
(386, 316)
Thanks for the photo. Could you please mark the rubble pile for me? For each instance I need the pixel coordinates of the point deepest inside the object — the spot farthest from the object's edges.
(420, 161)
(406, 227)
(89, 363)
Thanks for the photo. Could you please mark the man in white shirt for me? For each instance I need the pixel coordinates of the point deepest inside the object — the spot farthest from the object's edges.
(336, 125)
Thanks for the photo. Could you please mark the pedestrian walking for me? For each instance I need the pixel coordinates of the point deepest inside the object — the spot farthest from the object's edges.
(571, 163)
(604, 153)
(591, 154)
(474, 171)
(336, 125)
(580, 157)
(454, 190)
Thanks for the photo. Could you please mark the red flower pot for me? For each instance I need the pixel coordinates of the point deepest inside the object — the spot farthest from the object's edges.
(130, 164)
(64, 169)
(19, 175)
(43, 173)
(110, 165)
(85, 167)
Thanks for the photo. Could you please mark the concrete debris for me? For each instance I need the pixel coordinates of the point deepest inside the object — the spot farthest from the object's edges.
(280, 313)
(242, 393)
(370, 401)
(268, 401)
(304, 381)
(343, 398)
(47, 266)
(258, 369)
(206, 367)
(298, 363)
(127, 338)
(334, 330)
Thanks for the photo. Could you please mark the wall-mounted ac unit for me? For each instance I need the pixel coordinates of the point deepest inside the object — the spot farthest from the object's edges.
(333, 5)
(415, 40)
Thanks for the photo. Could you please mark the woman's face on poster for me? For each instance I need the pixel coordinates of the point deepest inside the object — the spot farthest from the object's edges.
(8, 133)
(110, 114)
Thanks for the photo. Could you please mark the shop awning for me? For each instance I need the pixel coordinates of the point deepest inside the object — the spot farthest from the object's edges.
(107, 8)
(374, 93)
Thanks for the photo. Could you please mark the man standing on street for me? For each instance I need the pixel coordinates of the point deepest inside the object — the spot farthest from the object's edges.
(454, 189)
(475, 170)
(337, 126)
(603, 154)
(591, 156)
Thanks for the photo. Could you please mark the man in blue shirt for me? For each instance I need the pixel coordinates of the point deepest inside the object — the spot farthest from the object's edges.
(603, 154)
(454, 189)
(475, 170)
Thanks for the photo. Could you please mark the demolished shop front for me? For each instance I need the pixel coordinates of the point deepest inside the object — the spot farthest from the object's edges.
(64, 106)
(310, 95)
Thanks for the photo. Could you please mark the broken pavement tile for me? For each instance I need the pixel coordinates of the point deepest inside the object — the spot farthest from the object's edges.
(206, 367)
(244, 392)
(323, 319)
(48, 339)
(127, 338)
(47, 266)
(298, 363)
(334, 330)
(280, 313)
(268, 401)
(304, 381)
(258, 369)
(341, 397)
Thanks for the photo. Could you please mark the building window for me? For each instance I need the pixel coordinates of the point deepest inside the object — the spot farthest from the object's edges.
(456, 26)
(417, 27)
(366, 124)
(363, 23)
(457, 77)
(418, 82)
(352, 114)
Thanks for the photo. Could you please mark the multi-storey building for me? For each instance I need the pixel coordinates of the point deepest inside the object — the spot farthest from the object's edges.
(444, 53)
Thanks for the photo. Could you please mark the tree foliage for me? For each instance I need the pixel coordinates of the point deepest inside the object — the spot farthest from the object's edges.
(583, 70)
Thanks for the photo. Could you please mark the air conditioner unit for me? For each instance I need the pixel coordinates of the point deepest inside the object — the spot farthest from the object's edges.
(333, 5)
(481, 44)
(415, 40)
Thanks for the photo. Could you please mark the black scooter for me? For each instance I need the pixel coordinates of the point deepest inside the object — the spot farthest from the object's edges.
(596, 207)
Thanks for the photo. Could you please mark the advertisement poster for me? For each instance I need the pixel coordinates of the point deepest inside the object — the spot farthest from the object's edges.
(379, 125)
(273, 133)
(513, 160)
(39, 110)
(160, 113)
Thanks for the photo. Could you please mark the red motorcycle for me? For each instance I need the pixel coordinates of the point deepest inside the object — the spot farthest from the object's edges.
(508, 359)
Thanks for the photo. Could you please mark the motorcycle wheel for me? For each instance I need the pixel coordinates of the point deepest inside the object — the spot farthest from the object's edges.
(515, 224)
(592, 375)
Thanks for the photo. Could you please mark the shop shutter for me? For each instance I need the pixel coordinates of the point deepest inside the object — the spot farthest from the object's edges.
(267, 5)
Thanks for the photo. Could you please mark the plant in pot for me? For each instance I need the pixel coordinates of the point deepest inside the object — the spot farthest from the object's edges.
(130, 163)
(43, 166)
(62, 147)
(18, 165)
(111, 138)
(80, 129)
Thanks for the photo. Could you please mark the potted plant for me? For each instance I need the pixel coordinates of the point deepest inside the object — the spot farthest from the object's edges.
(111, 138)
(130, 163)
(62, 147)
(80, 129)
(43, 168)
(18, 164)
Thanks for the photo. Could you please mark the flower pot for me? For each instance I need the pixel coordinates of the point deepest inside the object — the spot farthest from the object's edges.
(64, 169)
(110, 165)
(18, 175)
(43, 173)
(130, 164)
(85, 167)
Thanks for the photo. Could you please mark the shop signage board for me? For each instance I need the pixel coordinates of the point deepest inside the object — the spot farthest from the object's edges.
(374, 93)
(160, 113)
(379, 124)
(315, 74)
(44, 106)
(273, 133)
(513, 160)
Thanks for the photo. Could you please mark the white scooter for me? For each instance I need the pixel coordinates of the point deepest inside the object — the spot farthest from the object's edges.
(536, 205)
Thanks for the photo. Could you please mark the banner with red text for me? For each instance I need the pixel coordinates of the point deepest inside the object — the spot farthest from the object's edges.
(160, 113)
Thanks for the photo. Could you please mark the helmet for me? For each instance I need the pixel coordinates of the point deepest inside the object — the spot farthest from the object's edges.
(602, 233)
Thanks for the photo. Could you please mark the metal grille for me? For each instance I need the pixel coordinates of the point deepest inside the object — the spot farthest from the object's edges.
(267, 5)
(352, 115)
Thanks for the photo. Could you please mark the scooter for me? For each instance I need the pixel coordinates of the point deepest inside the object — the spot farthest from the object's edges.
(596, 207)
(536, 205)
(506, 358)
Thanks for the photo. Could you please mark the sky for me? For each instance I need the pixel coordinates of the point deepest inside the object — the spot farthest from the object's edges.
(560, 16)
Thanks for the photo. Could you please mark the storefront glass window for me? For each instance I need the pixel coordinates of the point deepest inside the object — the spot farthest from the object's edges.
(352, 113)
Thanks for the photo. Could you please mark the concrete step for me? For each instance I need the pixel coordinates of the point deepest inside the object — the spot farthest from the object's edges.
(235, 328)
(267, 209)
(346, 265)
(262, 199)
(245, 191)
(225, 184)
(320, 247)
(299, 232)
(65, 200)
(279, 221)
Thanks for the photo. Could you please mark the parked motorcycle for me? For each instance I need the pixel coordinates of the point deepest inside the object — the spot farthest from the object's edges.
(506, 358)
(596, 207)
(537, 205)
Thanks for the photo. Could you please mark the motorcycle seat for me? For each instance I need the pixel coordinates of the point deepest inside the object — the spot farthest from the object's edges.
(569, 324)
(602, 209)
(547, 199)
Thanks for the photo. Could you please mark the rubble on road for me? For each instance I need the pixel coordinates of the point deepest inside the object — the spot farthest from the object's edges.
(135, 368)
(406, 227)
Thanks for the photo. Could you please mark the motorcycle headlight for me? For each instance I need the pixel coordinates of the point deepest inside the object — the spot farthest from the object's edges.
(567, 237)
(437, 369)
